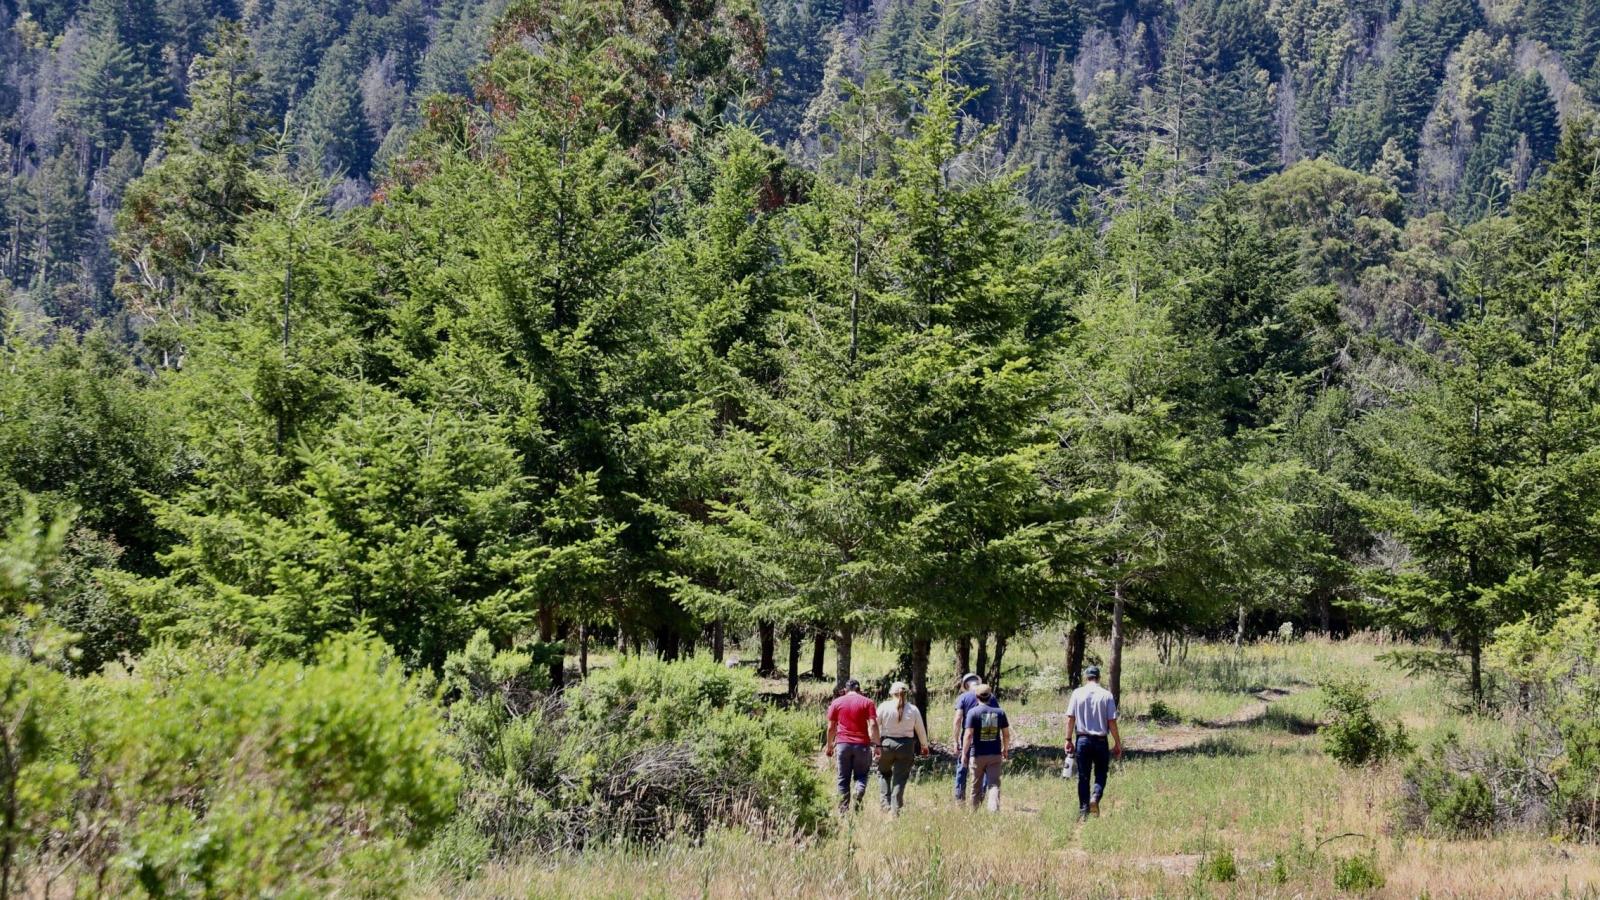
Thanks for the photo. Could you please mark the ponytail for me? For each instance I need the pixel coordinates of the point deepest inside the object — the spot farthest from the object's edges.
(900, 707)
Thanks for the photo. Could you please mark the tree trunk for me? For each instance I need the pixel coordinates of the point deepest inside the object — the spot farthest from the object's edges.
(842, 643)
(1077, 645)
(1325, 612)
(547, 634)
(768, 666)
(583, 651)
(921, 649)
(963, 655)
(1117, 610)
(1238, 633)
(819, 646)
(1475, 652)
(796, 637)
(667, 643)
(717, 647)
(983, 655)
(999, 660)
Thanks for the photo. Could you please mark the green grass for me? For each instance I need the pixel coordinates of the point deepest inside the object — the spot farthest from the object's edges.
(1260, 792)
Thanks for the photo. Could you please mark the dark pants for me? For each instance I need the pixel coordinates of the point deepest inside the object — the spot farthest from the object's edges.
(855, 761)
(961, 778)
(894, 767)
(1093, 752)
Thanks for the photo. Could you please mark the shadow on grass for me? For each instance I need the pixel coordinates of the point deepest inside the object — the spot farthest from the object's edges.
(1221, 745)
(1293, 723)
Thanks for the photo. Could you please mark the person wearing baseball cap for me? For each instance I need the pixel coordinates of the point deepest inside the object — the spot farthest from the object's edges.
(903, 736)
(853, 733)
(1091, 719)
(964, 704)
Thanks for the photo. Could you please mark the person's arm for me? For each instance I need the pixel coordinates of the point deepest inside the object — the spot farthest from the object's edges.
(874, 736)
(922, 734)
(833, 728)
(1072, 733)
(955, 734)
(1116, 745)
(966, 746)
(1005, 743)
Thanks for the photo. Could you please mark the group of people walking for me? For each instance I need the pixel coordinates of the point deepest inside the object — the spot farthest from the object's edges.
(893, 733)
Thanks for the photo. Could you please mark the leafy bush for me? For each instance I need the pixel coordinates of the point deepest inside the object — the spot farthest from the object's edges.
(1357, 873)
(1161, 712)
(1218, 866)
(1447, 801)
(1555, 666)
(210, 775)
(1049, 681)
(638, 753)
(1455, 791)
(1354, 736)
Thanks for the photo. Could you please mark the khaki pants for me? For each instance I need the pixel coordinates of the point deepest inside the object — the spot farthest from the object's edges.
(985, 778)
(894, 767)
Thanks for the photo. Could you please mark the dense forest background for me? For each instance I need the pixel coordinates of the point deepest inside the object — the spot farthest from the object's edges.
(1453, 105)
(1305, 201)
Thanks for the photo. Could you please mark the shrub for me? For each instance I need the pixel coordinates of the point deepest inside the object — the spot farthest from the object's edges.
(1555, 665)
(210, 775)
(1218, 866)
(1354, 736)
(1454, 791)
(1161, 712)
(636, 753)
(1357, 873)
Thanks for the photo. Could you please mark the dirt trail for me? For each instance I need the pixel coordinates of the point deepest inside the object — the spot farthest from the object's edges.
(1170, 738)
(1185, 737)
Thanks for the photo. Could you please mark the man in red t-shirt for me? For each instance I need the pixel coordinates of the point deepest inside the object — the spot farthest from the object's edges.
(853, 727)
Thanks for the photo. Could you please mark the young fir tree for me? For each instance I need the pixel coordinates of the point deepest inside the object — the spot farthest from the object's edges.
(178, 218)
(1485, 472)
(889, 476)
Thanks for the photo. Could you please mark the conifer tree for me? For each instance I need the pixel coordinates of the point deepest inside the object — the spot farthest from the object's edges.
(178, 218)
(1486, 474)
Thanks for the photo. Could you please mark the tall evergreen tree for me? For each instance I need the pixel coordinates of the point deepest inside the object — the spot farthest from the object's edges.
(179, 217)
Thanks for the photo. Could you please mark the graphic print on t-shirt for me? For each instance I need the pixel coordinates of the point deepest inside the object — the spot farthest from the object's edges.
(989, 725)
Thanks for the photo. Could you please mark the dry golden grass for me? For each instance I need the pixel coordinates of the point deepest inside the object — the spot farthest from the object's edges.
(1263, 791)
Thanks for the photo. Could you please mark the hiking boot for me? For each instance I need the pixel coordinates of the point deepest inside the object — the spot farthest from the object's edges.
(1094, 808)
(1083, 814)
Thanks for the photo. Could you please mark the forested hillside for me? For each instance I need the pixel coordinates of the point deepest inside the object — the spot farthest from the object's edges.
(88, 89)
(365, 369)
(1452, 106)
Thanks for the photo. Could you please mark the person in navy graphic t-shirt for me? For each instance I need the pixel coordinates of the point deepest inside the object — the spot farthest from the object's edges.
(986, 747)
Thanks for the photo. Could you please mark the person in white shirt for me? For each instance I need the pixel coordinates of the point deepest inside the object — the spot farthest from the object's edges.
(1091, 718)
(902, 735)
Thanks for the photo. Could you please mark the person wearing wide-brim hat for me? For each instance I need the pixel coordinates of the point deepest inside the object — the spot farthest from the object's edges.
(965, 701)
(902, 734)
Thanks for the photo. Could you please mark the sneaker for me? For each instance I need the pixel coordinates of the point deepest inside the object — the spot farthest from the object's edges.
(1094, 808)
(1083, 815)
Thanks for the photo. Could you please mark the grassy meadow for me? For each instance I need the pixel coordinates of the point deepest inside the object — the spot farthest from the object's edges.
(1240, 777)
